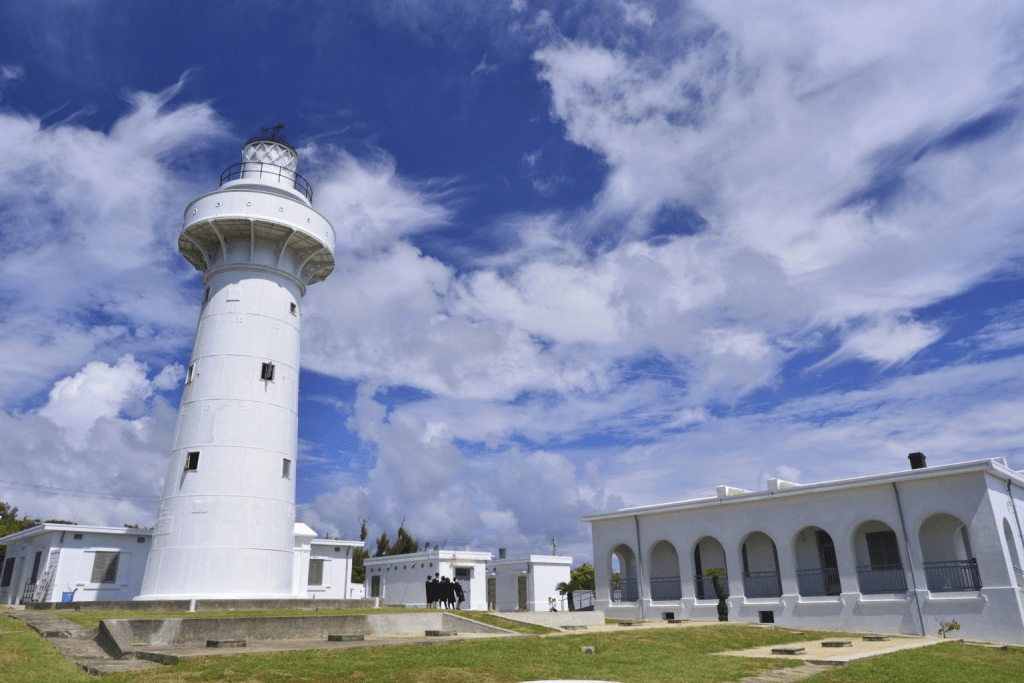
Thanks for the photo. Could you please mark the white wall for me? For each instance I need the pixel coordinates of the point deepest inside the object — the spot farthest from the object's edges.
(337, 574)
(542, 572)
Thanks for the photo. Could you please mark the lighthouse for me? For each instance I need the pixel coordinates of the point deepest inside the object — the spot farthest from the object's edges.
(225, 526)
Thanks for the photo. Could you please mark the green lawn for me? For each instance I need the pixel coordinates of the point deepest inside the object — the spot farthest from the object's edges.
(946, 663)
(629, 656)
(27, 658)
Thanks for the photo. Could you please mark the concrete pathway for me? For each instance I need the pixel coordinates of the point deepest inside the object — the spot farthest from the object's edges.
(76, 643)
(797, 673)
(816, 653)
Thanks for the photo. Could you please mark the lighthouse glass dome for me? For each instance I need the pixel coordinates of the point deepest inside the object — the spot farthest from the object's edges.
(269, 162)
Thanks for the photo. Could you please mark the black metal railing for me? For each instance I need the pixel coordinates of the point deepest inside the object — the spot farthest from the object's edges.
(823, 581)
(259, 169)
(762, 584)
(666, 588)
(704, 587)
(954, 575)
(881, 578)
(627, 591)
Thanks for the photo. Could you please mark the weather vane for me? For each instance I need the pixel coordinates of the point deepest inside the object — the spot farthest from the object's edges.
(270, 133)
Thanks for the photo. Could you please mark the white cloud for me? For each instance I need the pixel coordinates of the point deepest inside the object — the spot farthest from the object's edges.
(636, 13)
(887, 341)
(368, 203)
(96, 453)
(89, 267)
(97, 391)
(11, 72)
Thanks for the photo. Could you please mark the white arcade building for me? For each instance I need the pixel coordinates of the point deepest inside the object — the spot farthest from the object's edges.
(894, 553)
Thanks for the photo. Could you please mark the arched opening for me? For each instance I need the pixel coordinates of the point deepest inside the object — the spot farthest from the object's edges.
(623, 572)
(817, 570)
(761, 567)
(665, 582)
(879, 568)
(949, 563)
(708, 554)
(1011, 547)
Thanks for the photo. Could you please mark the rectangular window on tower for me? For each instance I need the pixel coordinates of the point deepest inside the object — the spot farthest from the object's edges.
(206, 295)
(267, 373)
(192, 461)
(190, 373)
(294, 308)
(286, 468)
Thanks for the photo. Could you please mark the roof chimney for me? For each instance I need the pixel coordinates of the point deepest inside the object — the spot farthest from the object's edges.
(917, 461)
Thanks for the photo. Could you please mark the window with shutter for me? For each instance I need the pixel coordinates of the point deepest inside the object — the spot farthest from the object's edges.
(316, 573)
(104, 567)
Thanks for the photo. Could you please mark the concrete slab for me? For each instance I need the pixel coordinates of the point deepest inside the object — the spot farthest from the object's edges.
(230, 642)
(856, 650)
(345, 637)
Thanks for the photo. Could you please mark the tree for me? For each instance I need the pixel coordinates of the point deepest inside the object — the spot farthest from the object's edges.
(580, 579)
(585, 575)
(383, 545)
(404, 543)
(10, 524)
(716, 582)
(358, 570)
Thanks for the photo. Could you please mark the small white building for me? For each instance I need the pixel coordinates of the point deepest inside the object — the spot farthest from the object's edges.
(94, 563)
(108, 563)
(401, 579)
(526, 584)
(892, 553)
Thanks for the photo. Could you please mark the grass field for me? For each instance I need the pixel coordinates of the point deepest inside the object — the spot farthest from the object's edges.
(655, 655)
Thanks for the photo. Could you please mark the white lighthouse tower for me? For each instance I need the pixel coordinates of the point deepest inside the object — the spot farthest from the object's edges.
(225, 527)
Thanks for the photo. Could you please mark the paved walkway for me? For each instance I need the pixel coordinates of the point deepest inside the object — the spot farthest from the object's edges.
(816, 653)
(76, 643)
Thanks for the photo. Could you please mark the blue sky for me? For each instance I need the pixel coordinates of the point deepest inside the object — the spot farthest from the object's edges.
(590, 254)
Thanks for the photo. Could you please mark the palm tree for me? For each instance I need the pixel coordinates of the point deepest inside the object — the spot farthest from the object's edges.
(564, 588)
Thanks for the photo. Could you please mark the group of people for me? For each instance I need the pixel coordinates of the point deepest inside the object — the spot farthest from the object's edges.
(444, 593)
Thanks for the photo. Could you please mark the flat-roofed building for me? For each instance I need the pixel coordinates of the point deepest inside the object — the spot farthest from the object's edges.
(901, 552)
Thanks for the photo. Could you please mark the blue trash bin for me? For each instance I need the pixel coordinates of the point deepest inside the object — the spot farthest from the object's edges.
(67, 596)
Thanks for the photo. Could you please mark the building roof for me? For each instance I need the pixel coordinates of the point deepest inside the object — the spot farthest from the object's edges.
(455, 556)
(338, 542)
(533, 559)
(77, 528)
(729, 495)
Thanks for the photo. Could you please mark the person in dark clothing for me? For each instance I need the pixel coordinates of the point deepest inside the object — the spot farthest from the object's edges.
(446, 592)
(459, 595)
(429, 587)
(435, 586)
